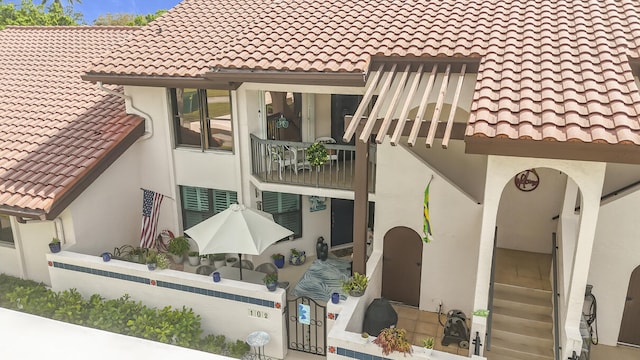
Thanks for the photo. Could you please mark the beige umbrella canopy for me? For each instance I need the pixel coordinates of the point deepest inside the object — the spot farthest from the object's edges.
(239, 230)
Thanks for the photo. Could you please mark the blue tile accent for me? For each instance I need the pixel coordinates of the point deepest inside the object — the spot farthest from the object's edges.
(358, 355)
(165, 284)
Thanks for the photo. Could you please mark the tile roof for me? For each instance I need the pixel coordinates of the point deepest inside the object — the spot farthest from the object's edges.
(549, 70)
(56, 131)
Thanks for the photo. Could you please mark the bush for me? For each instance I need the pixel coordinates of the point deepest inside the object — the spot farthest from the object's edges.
(181, 327)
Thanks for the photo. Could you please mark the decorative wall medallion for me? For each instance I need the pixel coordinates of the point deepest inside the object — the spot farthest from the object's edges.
(527, 180)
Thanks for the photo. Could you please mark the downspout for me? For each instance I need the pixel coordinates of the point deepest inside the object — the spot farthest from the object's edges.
(148, 132)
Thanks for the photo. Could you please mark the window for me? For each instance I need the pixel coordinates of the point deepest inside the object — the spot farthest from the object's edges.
(202, 118)
(284, 115)
(199, 204)
(6, 235)
(286, 210)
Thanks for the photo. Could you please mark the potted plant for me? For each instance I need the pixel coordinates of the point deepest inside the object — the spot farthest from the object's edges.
(161, 261)
(278, 260)
(317, 156)
(194, 258)
(152, 260)
(54, 245)
(355, 285)
(178, 246)
(138, 255)
(393, 339)
(205, 259)
(271, 281)
(427, 343)
(218, 260)
(297, 257)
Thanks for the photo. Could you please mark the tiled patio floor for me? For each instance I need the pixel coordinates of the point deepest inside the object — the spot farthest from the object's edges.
(421, 324)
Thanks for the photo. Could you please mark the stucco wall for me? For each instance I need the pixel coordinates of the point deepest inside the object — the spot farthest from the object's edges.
(615, 255)
(228, 307)
(525, 218)
(449, 262)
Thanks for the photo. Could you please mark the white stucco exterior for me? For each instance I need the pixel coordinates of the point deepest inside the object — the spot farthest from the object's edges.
(469, 196)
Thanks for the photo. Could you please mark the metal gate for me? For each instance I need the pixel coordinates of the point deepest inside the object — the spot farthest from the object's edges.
(306, 326)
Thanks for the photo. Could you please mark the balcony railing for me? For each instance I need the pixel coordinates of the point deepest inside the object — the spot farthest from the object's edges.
(285, 162)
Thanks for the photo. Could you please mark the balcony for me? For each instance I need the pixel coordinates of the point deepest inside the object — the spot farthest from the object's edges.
(285, 162)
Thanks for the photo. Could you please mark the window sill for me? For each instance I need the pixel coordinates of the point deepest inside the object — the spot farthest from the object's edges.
(210, 151)
(8, 245)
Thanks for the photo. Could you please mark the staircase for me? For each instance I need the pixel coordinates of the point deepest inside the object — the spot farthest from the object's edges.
(522, 327)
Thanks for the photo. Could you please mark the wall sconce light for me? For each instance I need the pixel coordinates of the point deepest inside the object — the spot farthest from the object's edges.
(259, 205)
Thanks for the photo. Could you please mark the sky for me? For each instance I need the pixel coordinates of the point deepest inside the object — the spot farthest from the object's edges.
(90, 9)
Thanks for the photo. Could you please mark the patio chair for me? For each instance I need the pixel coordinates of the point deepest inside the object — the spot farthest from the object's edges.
(267, 268)
(333, 154)
(246, 264)
(283, 156)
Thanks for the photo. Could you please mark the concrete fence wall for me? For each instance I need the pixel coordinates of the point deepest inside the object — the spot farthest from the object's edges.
(230, 308)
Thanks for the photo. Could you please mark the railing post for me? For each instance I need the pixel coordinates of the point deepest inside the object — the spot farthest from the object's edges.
(491, 288)
(556, 295)
(477, 344)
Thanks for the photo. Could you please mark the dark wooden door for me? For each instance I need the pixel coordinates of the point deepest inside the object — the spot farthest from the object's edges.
(342, 105)
(341, 222)
(402, 266)
(630, 327)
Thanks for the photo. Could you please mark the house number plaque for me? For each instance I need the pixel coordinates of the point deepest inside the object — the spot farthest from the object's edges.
(258, 314)
(527, 180)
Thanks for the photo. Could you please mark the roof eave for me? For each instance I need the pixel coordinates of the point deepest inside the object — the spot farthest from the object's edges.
(357, 79)
(160, 81)
(566, 150)
(66, 198)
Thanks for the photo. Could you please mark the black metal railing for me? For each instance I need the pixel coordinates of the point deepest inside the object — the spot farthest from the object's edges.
(491, 288)
(286, 162)
(556, 296)
(477, 344)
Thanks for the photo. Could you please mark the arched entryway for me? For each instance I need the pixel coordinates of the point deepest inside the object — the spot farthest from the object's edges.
(629, 327)
(402, 266)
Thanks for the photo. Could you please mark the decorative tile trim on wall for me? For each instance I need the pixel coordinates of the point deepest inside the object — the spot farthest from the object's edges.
(358, 355)
(169, 285)
(104, 273)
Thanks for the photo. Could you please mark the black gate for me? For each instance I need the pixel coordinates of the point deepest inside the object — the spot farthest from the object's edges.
(306, 326)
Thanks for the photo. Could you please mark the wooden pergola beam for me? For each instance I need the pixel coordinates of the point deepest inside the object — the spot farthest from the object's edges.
(457, 129)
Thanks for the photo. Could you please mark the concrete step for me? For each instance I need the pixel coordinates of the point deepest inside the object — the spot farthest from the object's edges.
(521, 347)
(516, 312)
(498, 353)
(526, 327)
(523, 295)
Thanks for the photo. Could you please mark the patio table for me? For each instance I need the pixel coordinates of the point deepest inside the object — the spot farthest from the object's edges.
(233, 273)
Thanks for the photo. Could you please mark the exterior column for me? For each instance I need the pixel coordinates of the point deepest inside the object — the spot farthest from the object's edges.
(360, 205)
(580, 271)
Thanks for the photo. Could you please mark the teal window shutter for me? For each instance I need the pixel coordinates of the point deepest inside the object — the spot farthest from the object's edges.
(285, 208)
(199, 204)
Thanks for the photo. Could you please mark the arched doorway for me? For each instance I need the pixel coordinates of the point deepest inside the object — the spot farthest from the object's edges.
(402, 266)
(629, 327)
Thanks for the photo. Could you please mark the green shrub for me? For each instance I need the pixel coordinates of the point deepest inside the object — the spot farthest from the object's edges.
(122, 315)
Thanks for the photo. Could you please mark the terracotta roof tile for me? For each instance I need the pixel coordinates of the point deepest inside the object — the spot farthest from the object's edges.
(54, 126)
(549, 70)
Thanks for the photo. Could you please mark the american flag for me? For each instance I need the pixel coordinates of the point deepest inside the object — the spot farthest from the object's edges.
(150, 210)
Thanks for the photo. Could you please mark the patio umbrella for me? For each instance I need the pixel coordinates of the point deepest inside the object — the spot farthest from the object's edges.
(237, 229)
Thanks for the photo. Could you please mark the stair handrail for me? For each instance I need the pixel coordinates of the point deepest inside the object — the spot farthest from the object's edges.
(556, 296)
(607, 196)
(487, 342)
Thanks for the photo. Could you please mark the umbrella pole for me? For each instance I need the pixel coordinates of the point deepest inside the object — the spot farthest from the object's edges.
(240, 257)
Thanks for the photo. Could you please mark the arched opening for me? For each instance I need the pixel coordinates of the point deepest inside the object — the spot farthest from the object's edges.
(531, 205)
(402, 265)
(629, 327)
